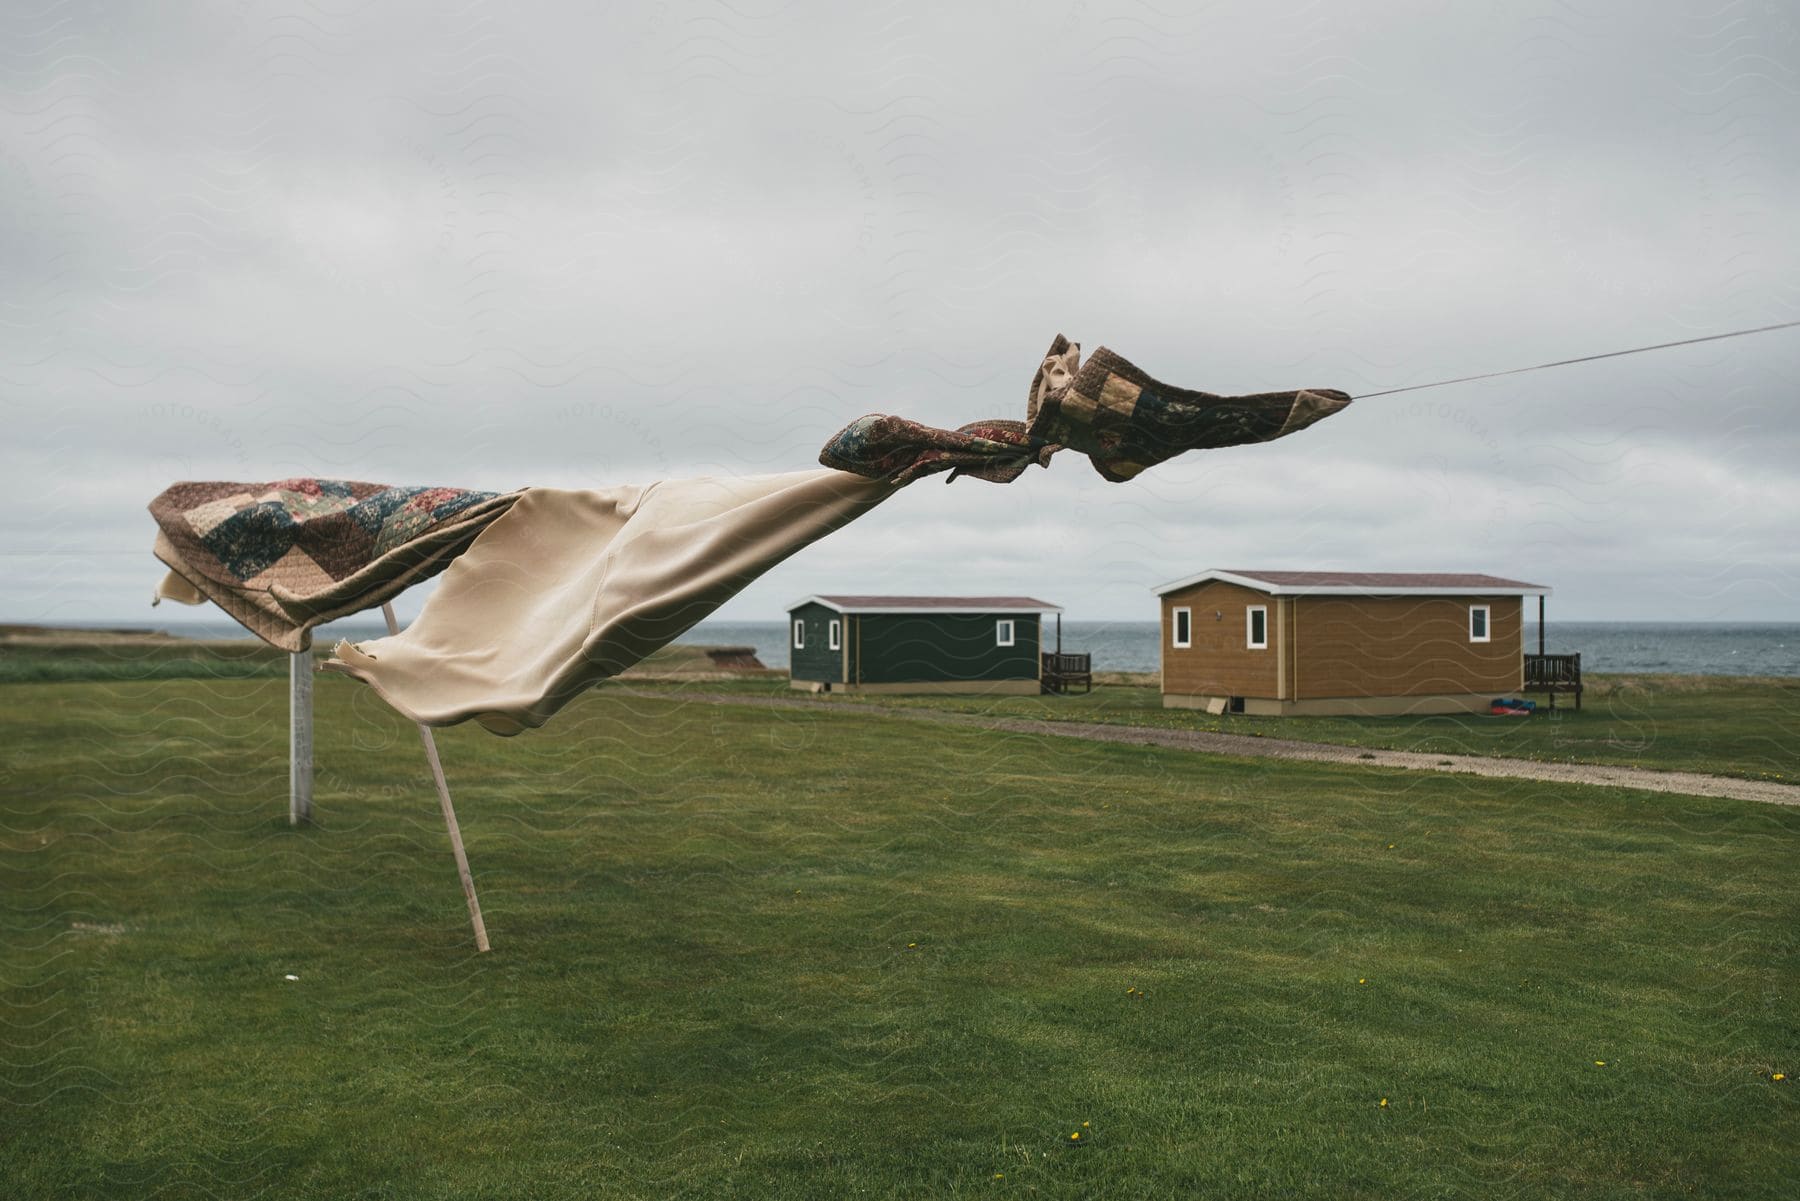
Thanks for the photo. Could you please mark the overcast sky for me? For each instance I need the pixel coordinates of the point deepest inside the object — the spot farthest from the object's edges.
(536, 243)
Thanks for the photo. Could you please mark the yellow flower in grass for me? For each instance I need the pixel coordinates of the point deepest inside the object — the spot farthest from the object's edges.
(1076, 1137)
(1383, 1104)
(1779, 1076)
(1599, 1063)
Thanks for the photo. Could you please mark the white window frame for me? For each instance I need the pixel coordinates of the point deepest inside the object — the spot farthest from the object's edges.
(834, 635)
(1175, 638)
(1250, 612)
(799, 634)
(1005, 631)
(1487, 623)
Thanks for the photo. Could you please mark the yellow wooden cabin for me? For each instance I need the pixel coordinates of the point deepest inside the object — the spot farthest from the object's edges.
(1336, 642)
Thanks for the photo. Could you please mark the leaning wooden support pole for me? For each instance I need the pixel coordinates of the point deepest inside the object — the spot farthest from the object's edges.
(300, 738)
(443, 791)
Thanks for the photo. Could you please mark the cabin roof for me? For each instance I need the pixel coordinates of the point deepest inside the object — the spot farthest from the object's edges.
(1362, 583)
(929, 604)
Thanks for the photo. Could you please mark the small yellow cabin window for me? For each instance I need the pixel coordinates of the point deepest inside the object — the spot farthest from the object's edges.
(1184, 628)
(1256, 627)
(1478, 624)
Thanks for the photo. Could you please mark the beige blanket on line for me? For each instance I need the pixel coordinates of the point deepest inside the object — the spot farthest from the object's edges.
(568, 588)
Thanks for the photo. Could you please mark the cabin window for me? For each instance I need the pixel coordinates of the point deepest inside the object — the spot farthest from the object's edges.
(1184, 628)
(1478, 623)
(834, 634)
(1003, 633)
(1256, 627)
(799, 635)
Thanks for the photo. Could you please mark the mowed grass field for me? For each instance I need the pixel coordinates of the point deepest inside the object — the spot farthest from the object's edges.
(47, 654)
(1727, 725)
(814, 952)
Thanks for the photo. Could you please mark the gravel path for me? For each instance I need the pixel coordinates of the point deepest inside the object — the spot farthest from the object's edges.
(1686, 783)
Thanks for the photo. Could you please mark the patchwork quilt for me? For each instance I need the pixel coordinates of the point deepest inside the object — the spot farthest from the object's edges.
(284, 557)
(1118, 415)
(901, 451)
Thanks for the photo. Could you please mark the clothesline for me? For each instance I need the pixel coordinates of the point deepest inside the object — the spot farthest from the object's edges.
(1611, 354)
(548, 591)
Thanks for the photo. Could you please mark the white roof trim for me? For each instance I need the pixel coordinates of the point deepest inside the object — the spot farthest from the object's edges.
(837, 608)
(1258, 585)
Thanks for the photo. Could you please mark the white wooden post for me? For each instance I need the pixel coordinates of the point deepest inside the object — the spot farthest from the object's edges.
(300, 738)
(443, 790)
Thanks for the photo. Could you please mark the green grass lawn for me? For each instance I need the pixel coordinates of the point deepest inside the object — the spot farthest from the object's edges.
(816, 953)
(1737, 726)
(45, 655)
(74, 659)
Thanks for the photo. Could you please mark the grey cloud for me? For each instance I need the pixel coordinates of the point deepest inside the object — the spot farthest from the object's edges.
(554, 244)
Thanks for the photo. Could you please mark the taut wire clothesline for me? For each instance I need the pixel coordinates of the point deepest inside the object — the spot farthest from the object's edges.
(1611, 354)
(284, 556)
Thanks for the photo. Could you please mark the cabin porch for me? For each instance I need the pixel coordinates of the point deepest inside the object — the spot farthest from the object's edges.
(1552, 673)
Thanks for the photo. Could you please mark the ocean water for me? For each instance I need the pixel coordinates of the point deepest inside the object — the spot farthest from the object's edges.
(1617, 647)
(1729, 648)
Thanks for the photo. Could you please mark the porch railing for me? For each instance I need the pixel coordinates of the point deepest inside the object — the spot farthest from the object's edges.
(1554, 674)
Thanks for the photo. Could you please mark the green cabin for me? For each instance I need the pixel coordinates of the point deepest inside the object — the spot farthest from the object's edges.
(985, 644)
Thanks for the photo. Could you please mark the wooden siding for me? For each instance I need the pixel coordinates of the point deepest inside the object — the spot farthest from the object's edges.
(1218, 663)
(1351, 646)
(896, 648)
(815, 661)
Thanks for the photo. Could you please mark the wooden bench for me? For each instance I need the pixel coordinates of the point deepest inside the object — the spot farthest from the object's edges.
(1062, 670)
